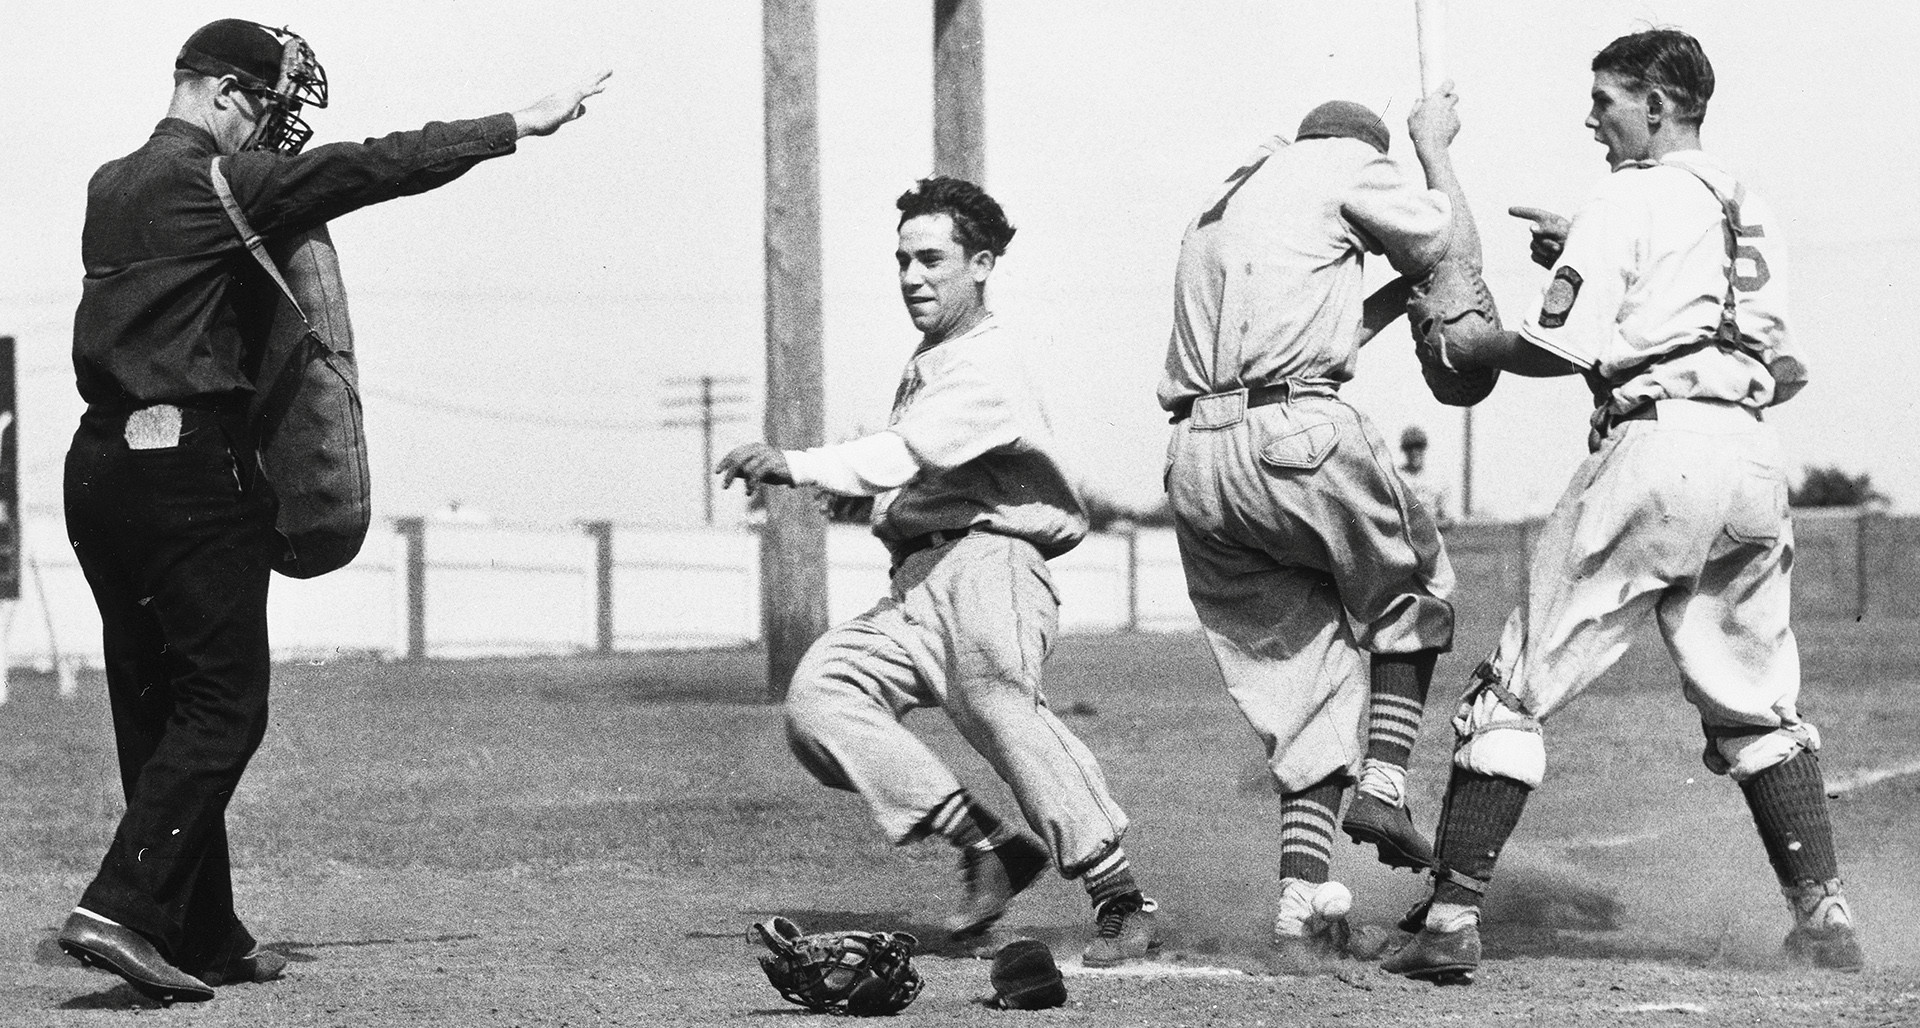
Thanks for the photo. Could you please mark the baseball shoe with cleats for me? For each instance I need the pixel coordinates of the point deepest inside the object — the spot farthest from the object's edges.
(1389, 830)
(1823, 933)
(256, 968)
(1443, 958)
(1125, 930)
(991, 878)
(1310, 926)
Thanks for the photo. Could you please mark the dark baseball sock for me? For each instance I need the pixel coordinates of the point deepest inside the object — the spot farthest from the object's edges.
(1789, 805)
(1109, 877)
(1400, 683)
(1306, 829)
(965, 823)
(1481, 813)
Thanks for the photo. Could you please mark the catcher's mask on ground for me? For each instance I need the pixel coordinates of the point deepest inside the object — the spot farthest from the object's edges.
(273, 65)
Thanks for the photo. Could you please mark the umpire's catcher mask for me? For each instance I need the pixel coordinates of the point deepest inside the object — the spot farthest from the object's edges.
(272, 64)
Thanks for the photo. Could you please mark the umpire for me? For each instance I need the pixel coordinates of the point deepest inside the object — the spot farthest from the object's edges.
(170, 521)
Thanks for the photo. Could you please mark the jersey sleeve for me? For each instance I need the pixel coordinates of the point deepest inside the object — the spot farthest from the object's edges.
(1581, 305)
(292, 194)
(964, 409)
(867, 466)
(1411, 224)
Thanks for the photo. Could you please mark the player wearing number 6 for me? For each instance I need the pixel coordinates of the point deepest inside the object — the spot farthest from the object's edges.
(1668, 295)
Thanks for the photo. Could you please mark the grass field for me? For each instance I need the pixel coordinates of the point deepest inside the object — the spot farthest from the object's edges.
(584, 842)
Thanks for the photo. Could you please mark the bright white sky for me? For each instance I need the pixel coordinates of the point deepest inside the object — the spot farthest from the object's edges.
(517, 329)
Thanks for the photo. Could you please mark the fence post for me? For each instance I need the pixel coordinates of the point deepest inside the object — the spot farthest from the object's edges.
(414, 531)
(1132, 533)
(602, 533)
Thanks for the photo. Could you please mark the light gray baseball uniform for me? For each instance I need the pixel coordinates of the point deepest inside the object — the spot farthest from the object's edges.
(970, 617)
(1681, 510)
(1303, 551)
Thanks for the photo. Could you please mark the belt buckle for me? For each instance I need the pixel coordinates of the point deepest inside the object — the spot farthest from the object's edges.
(1219, 410)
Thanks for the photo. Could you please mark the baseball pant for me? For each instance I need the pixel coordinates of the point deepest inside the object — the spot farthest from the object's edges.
(175, 543)
(1303, 554)
(967, 627)
(1684, 516)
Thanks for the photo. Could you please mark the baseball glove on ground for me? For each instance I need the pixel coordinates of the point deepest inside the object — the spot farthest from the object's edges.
(860, 973)
(1452, 300)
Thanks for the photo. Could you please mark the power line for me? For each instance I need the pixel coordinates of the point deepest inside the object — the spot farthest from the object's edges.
(499, 414)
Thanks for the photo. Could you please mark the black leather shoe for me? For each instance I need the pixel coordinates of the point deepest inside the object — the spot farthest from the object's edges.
(261, 965)
(1391, 832)
(127, 953)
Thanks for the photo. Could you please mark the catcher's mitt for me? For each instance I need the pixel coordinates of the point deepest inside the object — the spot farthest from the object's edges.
(1454, 299)
(860, 973)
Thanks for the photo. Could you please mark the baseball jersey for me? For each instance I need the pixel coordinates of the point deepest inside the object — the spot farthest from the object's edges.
(1644, 274)
(1269, 284)
(968, 445)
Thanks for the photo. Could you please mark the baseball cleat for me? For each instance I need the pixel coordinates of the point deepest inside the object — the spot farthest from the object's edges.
(1389, 829)
(125, 952)
(1125, 931)
(991, 878)
(1823, 933)
(1443, 958)
(256, 968)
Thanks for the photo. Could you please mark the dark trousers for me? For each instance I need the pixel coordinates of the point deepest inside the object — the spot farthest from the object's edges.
(175, 544)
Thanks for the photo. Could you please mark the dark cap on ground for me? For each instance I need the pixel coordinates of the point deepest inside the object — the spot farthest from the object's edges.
(1025, 977)
(1344, 119)
(231, 46)
(1413, 437)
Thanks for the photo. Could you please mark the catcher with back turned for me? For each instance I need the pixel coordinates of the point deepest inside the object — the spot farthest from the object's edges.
(1668, 295)
(971, 502)
(1322, 585)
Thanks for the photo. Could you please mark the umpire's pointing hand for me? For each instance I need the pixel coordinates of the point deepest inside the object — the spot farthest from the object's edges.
(555, 109)
(756, 464)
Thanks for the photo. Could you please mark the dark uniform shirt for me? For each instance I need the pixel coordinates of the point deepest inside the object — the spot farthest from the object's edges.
(174, 308)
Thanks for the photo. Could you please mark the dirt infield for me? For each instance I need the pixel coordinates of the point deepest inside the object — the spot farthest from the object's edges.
(584, 842)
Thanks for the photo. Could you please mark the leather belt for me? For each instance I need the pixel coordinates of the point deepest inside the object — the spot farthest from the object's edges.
(1605, 420)
(1257, 396)
(940, 537)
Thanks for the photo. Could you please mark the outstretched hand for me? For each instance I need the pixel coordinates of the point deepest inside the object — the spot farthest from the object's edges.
(755, 464)
(1435, 119)
(555, 109)
(1549, 233)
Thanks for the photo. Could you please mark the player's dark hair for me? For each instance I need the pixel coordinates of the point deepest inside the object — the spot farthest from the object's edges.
(1669, 59)
(978, 222)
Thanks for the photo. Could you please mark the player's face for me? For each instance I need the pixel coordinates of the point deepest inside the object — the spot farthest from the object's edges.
(1618, 118)
(943, 287)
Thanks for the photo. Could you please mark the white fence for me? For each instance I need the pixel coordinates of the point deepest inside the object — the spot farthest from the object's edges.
(495, 589)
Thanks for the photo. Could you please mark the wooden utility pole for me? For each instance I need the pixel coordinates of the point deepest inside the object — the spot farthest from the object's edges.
(710, 416)
(959, 83)
(793, 544)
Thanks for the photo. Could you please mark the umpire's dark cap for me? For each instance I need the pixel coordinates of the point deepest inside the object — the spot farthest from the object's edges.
(1344, 119)
(248, 51)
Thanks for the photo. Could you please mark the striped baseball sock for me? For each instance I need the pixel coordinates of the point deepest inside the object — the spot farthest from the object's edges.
(1306, 830)
(1789, 805)
(1399, 700)
(1109, 877)
(966, 824)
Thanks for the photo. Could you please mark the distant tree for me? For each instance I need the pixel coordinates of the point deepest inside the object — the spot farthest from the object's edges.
(1833, 487)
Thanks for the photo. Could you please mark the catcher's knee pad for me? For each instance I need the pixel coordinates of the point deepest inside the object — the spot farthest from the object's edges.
(1741, 753)
(1494, 734)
